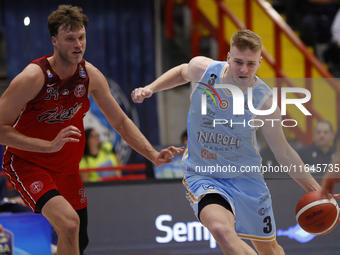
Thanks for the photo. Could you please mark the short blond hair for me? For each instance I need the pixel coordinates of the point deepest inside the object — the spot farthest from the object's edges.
(246, 39)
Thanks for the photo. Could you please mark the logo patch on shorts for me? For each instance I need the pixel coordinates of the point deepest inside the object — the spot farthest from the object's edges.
(263, 211)
(36, 187)
(208, 186)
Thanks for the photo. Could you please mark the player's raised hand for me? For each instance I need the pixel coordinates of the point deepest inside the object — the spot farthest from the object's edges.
(166, 155)
(139, 94)
(65, 135)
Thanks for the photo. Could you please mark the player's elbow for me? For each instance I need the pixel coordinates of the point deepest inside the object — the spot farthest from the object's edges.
(284, 154)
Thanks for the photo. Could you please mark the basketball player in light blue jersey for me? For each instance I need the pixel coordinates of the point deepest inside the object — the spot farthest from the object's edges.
(231, 202)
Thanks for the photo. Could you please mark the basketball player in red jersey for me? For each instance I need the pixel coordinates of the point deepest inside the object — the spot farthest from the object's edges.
(41, 125)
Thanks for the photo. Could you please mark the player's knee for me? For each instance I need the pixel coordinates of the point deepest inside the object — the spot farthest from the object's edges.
(72, 225)
(68, 225)
(219, 231)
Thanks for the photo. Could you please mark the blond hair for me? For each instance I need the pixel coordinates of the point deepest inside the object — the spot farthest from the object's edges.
(246, 39)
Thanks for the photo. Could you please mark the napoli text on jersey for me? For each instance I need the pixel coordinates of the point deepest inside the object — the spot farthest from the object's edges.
(222, 150)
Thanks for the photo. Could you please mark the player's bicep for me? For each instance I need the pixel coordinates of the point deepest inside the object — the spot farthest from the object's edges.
(23, 88)
(197, 67)
(101, 94)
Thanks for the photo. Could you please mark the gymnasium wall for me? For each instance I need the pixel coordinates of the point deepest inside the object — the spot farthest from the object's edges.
(155, 218)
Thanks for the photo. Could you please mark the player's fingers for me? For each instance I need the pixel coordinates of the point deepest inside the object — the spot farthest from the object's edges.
(336, 196)
(146, 93)
(328, 194)
(70, 128)
(165, 160)
(167, 154)
(72, 132)
(174, 149)
(134, 95)
(137, 95)
(70, 140)
(326, 191)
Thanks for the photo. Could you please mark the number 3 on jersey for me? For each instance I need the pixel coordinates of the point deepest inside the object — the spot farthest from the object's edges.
(268, 228)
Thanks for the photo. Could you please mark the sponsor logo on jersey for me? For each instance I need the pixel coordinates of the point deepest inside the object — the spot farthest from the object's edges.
(208, 155)
(263, 199)
(80, 90)
(207, 123)
(82, 72)
(49, 74)
(233, 158)
(224, 104)
(51, 85)
(211, 113)
(59, 115)
(65, 92)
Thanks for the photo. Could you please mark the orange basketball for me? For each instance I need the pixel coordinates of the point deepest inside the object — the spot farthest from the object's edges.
(315, 215)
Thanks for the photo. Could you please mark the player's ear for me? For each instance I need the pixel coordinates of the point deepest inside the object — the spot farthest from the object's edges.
(228, 58)
(260, 61)
(54, 41)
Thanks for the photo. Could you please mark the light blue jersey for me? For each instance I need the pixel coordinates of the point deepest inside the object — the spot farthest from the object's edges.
(223, 150)
(218, 155)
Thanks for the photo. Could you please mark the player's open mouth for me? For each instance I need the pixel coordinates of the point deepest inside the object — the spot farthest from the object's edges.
(77, 52)
(242, 77)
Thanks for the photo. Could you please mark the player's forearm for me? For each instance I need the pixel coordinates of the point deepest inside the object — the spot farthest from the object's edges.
(13, 138)
(132, 135)
(308, 183)
(293, 162)
(170, 79)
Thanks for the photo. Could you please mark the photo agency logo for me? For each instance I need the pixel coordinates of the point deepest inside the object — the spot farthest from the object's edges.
(239, 104)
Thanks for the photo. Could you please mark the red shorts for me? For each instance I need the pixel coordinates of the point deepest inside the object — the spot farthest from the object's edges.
(34, 182)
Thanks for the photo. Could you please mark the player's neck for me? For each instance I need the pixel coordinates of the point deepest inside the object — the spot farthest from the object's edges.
(63, 69)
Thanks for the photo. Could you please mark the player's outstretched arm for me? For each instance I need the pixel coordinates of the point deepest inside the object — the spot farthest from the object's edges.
(284, 153)
(100, 92)
(176, 76)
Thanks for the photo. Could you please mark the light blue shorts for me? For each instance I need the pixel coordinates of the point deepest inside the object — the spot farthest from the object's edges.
(249, 199)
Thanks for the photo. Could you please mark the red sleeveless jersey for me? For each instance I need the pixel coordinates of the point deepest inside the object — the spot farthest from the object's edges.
(60, 103)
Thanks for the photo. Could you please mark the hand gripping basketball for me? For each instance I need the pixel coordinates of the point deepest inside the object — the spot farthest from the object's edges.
(316, 215)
